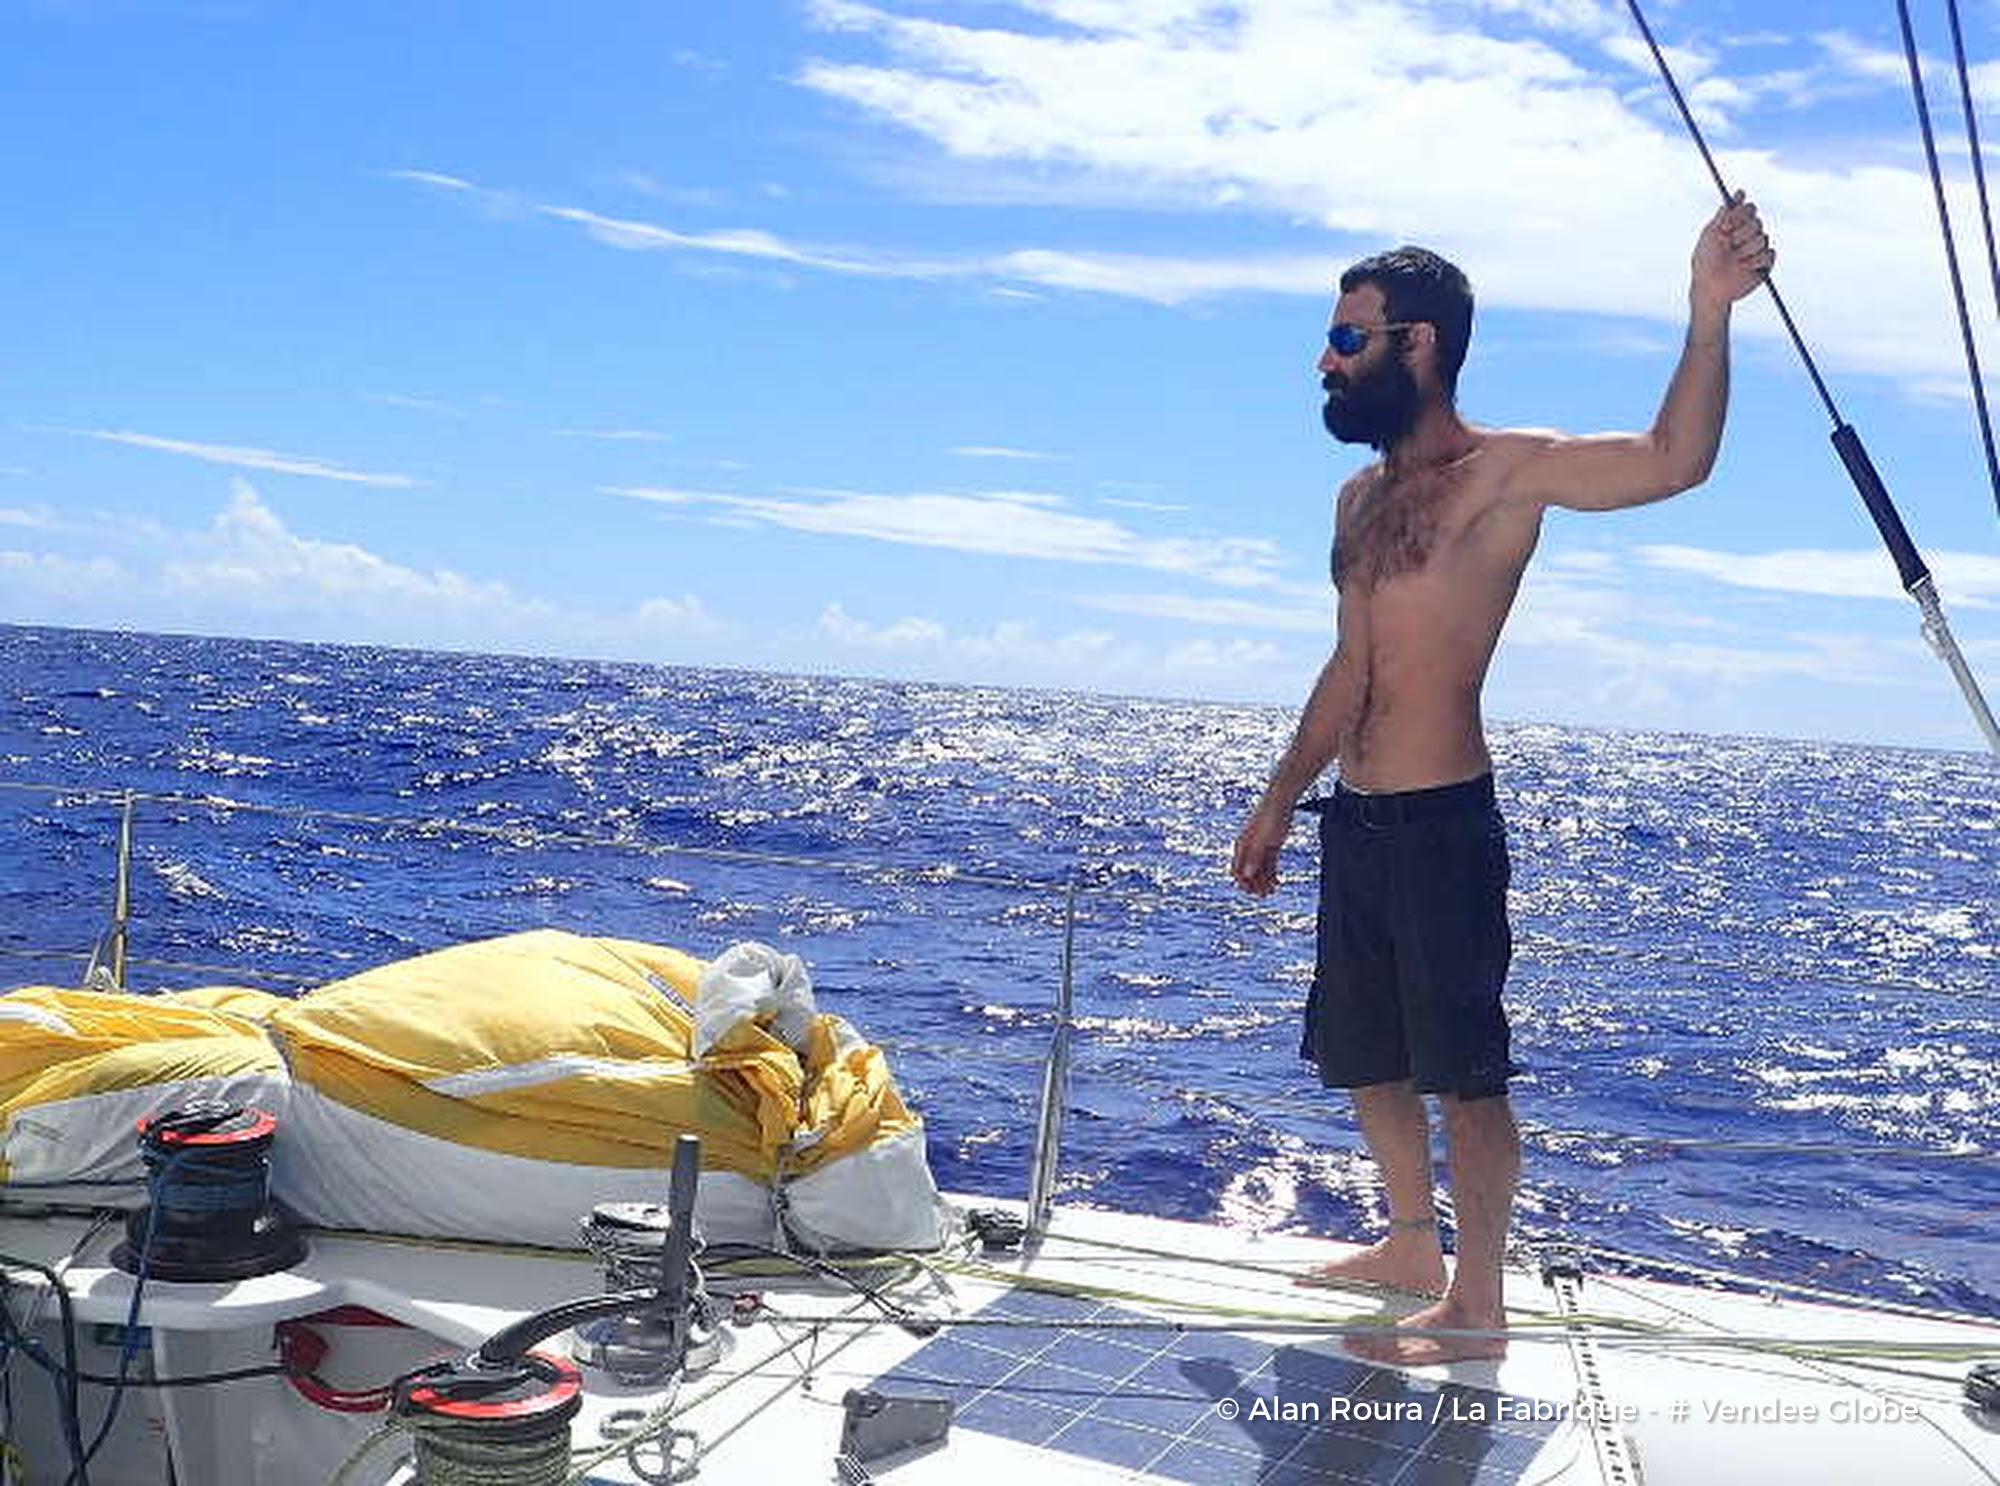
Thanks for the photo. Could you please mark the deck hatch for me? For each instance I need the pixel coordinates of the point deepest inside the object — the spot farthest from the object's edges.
(1061, 1377)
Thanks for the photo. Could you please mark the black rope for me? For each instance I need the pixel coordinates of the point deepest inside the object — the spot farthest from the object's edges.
(1916, 67)
(62, 1375)
(1701, 143)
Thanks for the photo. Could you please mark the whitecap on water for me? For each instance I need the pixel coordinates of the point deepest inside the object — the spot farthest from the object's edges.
(184, 882)
(1263, 1196)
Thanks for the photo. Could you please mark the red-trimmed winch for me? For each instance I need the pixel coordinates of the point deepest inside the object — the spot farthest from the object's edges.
(211, 1217)
(507, 1424)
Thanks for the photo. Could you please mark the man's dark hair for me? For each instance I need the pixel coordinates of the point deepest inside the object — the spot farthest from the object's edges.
(1417, 284)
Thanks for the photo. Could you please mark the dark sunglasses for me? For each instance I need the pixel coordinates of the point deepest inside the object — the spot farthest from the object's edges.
(1352, 340)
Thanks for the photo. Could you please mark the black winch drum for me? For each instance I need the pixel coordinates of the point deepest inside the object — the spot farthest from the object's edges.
(211, 1217)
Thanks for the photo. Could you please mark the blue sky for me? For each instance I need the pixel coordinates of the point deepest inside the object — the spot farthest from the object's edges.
(958, 339)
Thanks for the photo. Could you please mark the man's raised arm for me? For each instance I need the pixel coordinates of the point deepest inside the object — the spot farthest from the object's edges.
(1603, 472)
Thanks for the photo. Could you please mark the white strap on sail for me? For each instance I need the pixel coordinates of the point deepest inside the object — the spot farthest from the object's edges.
(477, 1081)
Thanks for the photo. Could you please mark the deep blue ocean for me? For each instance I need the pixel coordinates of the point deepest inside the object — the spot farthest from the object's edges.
(1756, 989)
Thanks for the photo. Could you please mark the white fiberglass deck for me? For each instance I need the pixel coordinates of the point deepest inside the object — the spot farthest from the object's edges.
(1126, 1349)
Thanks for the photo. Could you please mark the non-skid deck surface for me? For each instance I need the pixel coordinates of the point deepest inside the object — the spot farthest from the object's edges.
(1066, 1374)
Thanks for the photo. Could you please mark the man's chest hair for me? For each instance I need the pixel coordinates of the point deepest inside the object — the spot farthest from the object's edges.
(1390, 526)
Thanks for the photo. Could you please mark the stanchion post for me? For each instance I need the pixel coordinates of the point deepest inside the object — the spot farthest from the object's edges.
(1055, 1084)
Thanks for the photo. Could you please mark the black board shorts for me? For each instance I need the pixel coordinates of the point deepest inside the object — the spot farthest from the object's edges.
(1413, 941)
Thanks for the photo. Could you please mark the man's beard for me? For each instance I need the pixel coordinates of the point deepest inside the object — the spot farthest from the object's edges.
(1377, 411)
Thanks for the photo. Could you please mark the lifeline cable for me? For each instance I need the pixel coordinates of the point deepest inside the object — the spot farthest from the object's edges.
(1972, 371)
(1910, 565)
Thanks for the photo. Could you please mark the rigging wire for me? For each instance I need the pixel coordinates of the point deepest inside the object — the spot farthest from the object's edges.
(1715, 171)
(1910, 565)
(1917, 92)
(1972, 139)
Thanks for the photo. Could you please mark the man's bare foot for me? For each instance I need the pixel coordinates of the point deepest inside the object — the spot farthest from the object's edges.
(1422, 1351)
(1408, 1259)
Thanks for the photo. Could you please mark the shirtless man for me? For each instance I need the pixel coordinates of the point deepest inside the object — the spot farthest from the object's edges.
(1430, 544)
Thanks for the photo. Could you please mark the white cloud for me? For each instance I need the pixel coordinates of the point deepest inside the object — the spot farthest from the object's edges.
(1433, 133)
(251, 559)
(240, 456)
(1875, 64)
(416, 404)
(1124, 504)
(1608, 635)
(50, 574)
(1584, 17)
(1163, 280)
(613, 435)
(1205, 655)
(435, 178)
(1595, 561)
(1968, 578)
(731, 465)
(631, 235)
(686, 614)
(659, 495)
(1690, 65)
(902, 634)
(1001, 523)
(497, 205)
(1007, 645)
(1021, 653)
(37, 519)
(1502, 132)
(1227, 612)
(250, 573)
(1001, 451)
(650, 185)
(1736, 665)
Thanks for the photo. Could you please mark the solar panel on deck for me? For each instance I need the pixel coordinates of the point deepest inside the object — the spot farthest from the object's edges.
(1060, 1376)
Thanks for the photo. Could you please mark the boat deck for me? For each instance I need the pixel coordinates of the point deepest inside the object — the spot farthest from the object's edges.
(1122, 1348)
